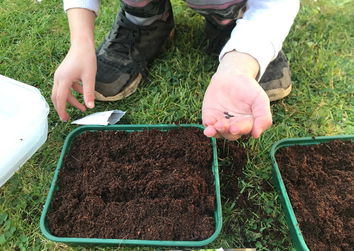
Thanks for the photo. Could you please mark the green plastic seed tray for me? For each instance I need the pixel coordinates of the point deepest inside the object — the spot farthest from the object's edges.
(295, 232)
(110, 242)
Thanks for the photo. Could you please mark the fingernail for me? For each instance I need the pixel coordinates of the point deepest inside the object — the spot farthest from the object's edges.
(258, 134)
(90, 104)
(234, 132)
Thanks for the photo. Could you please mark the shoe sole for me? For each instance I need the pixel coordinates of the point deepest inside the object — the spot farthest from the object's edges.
(280, 93)
(131, 88)
(127, 91)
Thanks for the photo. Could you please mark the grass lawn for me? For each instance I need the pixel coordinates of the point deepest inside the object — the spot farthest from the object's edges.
(34, 39)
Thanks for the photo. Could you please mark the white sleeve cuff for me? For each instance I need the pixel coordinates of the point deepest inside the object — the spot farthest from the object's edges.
(250, 38)
(93, 5)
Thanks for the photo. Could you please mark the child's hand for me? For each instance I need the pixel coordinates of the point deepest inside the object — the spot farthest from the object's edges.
(77, 72)
(234, 103)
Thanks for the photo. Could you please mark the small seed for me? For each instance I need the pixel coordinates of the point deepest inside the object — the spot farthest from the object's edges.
(228, 116)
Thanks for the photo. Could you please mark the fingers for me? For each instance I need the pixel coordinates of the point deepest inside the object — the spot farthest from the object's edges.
(89, 90)
(241, 127)
(230, 129)
(59, 97)
(210, 131)
(78, 87)
(218, 126)
(260, 125)
(208, 118)
(208, 121)
(61, 94)
(234, 128)
(54, 91)
(78, 65)
(222, 126)
(262, 116)
(74, 102)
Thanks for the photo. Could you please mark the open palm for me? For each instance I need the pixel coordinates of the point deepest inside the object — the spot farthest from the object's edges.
(235, 105)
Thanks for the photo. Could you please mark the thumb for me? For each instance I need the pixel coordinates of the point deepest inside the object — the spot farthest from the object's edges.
(89, 90)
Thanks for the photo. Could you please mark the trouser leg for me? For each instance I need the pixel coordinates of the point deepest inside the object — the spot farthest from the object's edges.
(144, 8)
(220, 19)
(221, 12)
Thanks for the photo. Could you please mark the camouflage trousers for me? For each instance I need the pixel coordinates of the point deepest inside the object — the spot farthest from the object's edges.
(220, 11)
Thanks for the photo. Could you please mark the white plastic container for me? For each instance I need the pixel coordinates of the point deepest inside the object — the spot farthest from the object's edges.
(23, 124)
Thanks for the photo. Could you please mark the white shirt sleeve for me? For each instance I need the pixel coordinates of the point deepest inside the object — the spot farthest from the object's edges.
(93, 5)
(262, 30)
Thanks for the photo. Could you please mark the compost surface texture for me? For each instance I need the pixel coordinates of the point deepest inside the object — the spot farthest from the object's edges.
(319, 182)
(148, 185)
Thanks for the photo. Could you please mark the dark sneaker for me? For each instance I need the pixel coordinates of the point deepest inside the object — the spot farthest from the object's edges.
(217, 35)
(124, 55)
(276, 80)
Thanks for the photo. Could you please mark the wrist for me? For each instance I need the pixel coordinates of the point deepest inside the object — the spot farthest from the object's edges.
(81, 24)
(83, 47)
(239, 63)
(82, 43)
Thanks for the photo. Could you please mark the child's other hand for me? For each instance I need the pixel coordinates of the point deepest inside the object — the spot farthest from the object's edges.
(77, 73)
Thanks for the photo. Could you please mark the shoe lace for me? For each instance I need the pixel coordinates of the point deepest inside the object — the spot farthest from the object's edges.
(124, 38)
